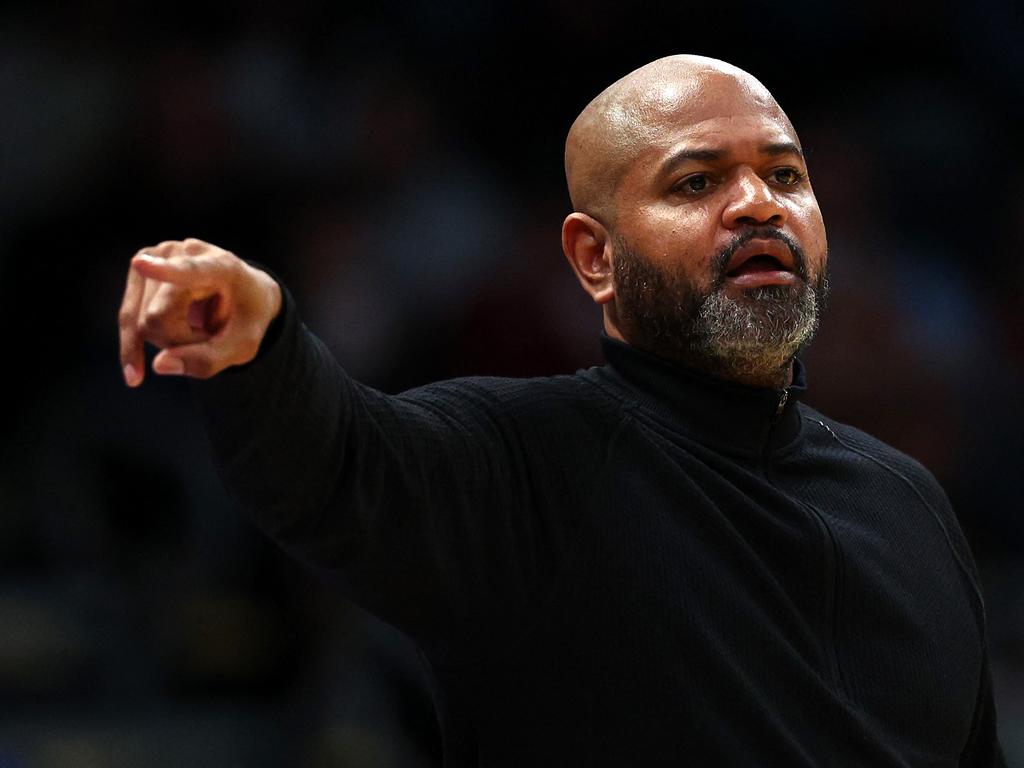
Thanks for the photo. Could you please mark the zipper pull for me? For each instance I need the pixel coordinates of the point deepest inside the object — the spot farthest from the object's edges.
(782, 403)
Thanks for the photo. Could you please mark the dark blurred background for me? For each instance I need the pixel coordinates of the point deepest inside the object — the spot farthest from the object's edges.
(400, 167)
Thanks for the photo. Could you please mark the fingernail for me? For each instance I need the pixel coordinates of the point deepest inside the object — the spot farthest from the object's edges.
(170, 366)
(131, 376)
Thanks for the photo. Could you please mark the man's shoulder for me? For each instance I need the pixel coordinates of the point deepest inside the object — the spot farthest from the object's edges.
(912, 475)
(546, 397)
(876, 451)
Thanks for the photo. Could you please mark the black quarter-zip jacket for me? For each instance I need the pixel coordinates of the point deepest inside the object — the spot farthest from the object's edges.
(630, 566)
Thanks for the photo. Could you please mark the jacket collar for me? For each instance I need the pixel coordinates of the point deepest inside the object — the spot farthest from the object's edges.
(721, 414)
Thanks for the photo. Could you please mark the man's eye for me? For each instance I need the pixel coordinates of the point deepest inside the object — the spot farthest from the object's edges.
(787, 176)
(698, 182)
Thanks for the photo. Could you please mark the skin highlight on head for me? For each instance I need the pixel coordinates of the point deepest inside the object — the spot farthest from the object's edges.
(622, 120)
(668, 169)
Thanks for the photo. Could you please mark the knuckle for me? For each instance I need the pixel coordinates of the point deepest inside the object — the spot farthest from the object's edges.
(166, 247)
(153, 322)
(193, 246)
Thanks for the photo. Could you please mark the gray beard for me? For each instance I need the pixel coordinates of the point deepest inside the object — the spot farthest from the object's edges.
(750, 340)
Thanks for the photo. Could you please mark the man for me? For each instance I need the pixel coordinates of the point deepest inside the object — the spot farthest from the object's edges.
(668, 560)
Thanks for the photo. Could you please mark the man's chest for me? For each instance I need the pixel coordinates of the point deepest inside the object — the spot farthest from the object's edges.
(826, 593)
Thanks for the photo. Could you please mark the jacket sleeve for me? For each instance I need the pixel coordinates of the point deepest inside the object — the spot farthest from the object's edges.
(414, 502)
(982, 749)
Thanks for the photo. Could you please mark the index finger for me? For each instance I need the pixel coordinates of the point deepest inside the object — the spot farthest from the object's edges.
(133, 359)
(188, 271)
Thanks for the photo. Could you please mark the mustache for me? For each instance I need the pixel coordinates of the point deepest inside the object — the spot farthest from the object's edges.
(721, 260)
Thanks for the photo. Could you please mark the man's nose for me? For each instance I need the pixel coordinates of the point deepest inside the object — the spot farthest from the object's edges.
(752, 202)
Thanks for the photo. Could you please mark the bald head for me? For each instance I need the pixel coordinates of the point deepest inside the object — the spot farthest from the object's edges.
(630, 115)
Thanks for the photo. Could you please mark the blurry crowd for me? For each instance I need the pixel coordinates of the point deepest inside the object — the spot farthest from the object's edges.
(401, 173)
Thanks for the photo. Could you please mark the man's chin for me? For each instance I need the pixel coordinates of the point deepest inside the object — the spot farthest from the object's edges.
(765, 325)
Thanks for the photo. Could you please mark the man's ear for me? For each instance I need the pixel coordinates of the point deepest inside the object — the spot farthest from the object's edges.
(587, 246)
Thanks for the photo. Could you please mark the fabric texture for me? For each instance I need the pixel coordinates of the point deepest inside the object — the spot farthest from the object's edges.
(632, 565)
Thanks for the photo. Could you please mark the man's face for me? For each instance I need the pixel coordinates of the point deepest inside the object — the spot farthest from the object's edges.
(719, 248)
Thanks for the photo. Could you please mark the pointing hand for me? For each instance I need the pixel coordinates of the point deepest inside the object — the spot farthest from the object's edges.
(202, 306)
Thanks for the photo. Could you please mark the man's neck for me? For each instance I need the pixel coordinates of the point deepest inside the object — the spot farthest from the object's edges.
(754, 373)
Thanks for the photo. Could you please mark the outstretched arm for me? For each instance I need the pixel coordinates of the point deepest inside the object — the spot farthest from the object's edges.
(416, 503)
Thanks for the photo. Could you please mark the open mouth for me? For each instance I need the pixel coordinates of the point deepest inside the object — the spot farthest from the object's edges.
(761, 262)
(758, 263)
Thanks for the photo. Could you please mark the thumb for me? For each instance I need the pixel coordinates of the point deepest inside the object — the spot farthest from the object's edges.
(197, 361)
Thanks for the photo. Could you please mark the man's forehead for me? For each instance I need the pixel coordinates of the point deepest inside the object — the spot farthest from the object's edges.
(722, 133)
(701, 89)
(699, 105)
(709, 105)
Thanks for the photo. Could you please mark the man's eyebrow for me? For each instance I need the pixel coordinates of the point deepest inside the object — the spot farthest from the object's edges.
(680, 157)
(782, 148)
(709, 155)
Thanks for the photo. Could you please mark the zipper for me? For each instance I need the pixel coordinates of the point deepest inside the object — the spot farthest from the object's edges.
(783, 399)
(831, 556)
(831, 598)
(762, 457)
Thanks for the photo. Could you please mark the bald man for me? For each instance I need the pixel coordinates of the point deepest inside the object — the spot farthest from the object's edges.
(666, 560)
